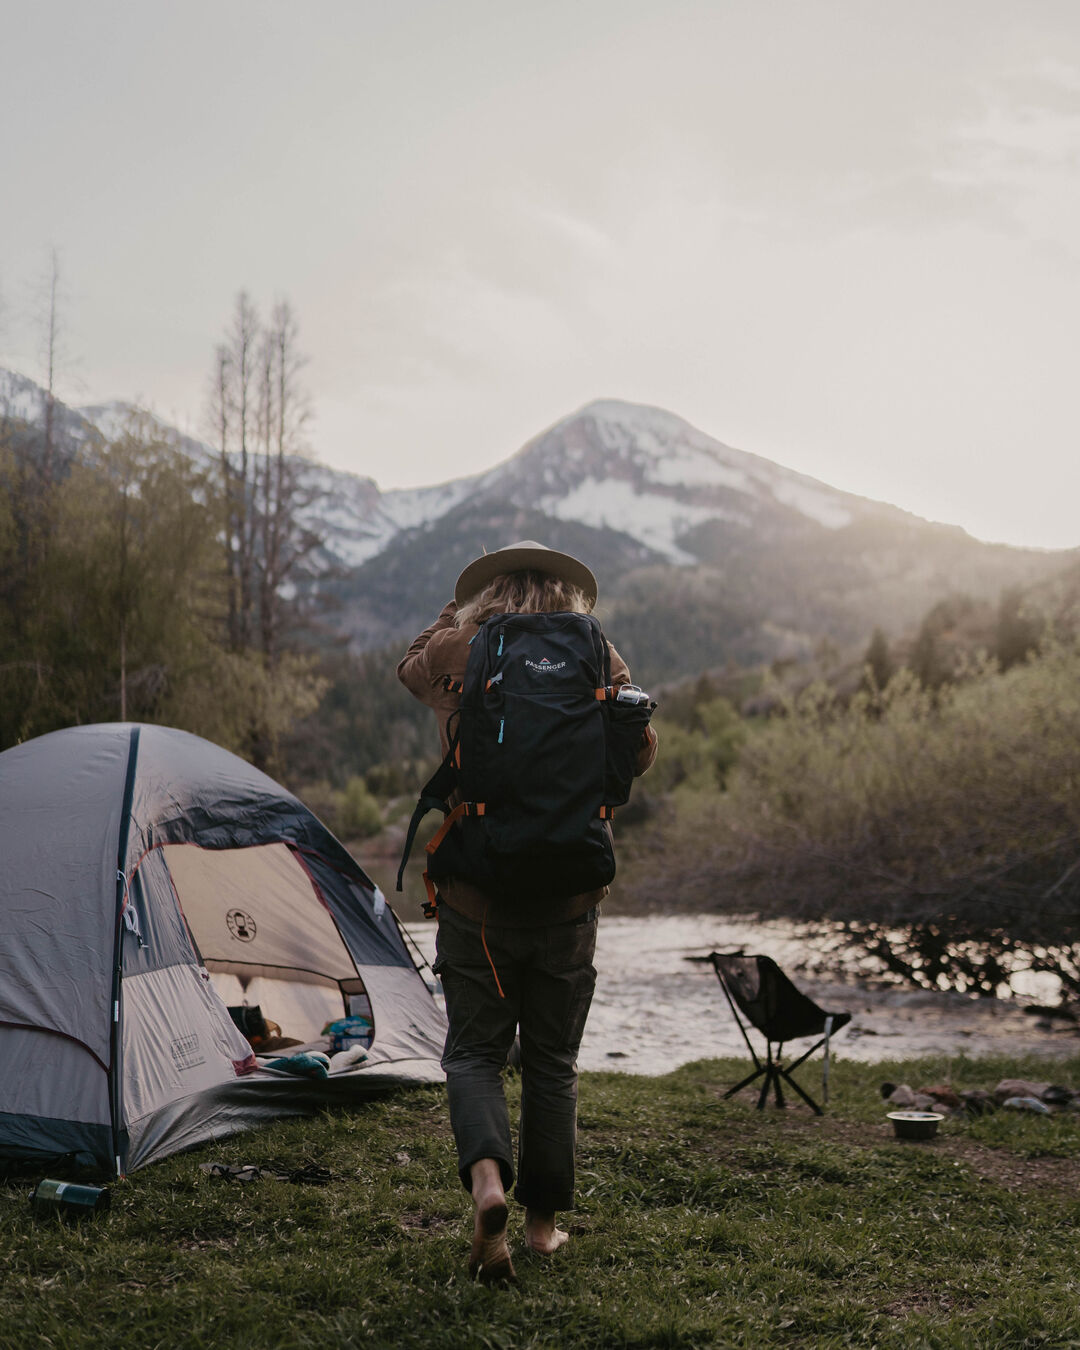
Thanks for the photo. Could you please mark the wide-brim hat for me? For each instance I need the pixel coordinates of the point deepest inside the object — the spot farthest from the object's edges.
(525, 556)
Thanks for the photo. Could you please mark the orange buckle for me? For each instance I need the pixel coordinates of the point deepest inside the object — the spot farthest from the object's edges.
(462, 809)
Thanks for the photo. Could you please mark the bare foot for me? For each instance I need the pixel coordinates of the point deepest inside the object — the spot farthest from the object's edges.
(541, 1234)
(489, 1260)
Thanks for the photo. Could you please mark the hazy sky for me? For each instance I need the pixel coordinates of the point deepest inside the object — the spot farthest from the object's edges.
(843, 234)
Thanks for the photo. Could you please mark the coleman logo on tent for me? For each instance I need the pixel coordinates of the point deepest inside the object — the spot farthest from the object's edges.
(544, 665)
(241, 925)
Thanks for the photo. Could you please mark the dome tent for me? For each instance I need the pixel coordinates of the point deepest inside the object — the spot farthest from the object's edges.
(148, 879)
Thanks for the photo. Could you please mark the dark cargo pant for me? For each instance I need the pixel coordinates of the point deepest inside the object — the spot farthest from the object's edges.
(547, 977)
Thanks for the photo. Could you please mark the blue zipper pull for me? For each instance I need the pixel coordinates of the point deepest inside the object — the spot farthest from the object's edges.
(499, 652)
(502, 723)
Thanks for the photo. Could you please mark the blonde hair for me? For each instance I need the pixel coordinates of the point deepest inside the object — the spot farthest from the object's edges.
(526, 592)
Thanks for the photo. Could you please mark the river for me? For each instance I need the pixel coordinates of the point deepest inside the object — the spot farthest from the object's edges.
(658, 1005)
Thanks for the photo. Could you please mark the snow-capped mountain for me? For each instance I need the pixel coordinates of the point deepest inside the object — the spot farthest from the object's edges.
(705, 553)
(22, 403)
(611, 465)
(650, 474)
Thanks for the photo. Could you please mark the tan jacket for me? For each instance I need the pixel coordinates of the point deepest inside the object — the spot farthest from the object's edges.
(442, 650)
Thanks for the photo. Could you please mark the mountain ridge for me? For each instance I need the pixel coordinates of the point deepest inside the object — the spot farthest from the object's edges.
(733, 556)
(612, 453)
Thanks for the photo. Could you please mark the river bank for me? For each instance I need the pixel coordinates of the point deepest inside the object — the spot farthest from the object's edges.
(658, 1004)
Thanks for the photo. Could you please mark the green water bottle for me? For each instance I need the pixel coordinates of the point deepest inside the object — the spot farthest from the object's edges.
(65, 1200)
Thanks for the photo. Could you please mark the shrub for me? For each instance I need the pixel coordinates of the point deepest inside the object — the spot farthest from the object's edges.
(351, 813)
(940, 829)
(702, 754)
(360, 816)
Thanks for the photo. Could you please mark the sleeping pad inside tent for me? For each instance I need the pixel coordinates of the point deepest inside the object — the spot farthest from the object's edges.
(151, 881)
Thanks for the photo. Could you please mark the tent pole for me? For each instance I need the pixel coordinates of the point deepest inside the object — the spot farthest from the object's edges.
(410, 941)
(115, 1096)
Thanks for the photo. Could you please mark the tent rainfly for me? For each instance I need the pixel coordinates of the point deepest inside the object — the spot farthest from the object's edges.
(149, 880)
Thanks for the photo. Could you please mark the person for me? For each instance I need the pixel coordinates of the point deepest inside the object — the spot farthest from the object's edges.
(511, 965)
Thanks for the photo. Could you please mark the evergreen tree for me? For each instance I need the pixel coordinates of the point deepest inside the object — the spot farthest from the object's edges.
(878, 667)
(1017, 632)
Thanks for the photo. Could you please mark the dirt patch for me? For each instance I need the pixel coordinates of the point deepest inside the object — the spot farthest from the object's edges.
(417, 1219)
(996, 1165)
(1014, 1173)
(992, 1164)
(923, 1301)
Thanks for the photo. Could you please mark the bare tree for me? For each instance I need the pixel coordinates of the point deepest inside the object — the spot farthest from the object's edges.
(233, 410)
(259, 411)
(3, 329)
(284, 542)
(50, 355)
(220, 415)
(244, 344)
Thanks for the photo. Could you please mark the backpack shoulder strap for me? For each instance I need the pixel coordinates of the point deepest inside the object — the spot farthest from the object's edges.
(434, 796)
(605, 651)
(436, 792)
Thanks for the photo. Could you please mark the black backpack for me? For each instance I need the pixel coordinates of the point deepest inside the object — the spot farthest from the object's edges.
(542, 751)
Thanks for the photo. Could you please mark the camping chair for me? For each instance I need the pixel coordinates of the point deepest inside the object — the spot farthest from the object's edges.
(781, 1013)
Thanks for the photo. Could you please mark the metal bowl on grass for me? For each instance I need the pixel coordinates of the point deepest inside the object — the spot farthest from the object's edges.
(915, 1124)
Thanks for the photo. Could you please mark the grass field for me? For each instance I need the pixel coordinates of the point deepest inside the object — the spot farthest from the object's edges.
(700, 1223)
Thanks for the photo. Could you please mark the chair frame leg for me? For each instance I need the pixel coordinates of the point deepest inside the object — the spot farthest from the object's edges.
(744, 1083)
(758, 1066)
(773, 1071)
(805, 1096)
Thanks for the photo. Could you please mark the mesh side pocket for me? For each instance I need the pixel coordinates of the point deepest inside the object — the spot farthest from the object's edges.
(625, 731)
